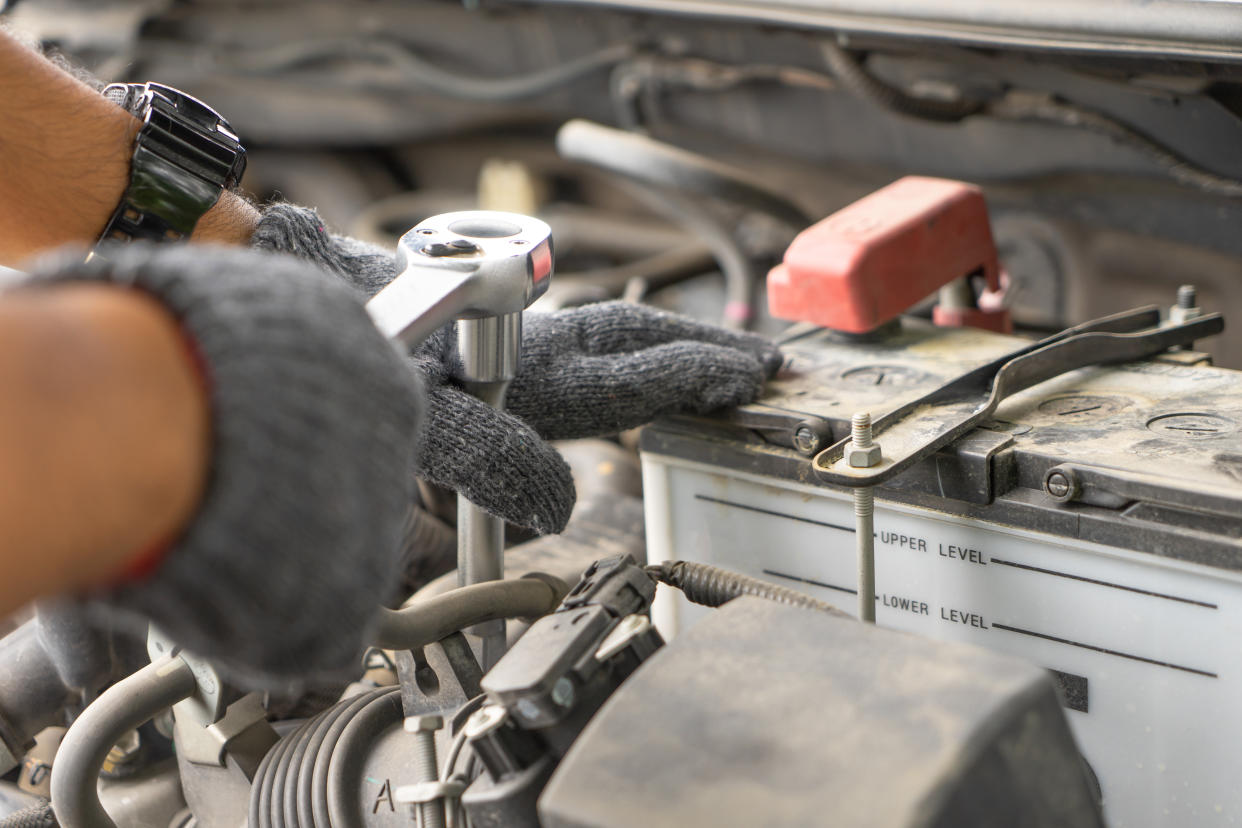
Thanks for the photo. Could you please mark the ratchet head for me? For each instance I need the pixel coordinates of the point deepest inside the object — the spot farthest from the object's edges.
(468, 265)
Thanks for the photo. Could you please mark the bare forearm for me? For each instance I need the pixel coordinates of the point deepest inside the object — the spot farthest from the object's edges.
(103, 436)
(64, 162)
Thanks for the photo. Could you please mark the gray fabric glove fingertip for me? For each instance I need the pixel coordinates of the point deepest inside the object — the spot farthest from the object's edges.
(314, 418)
(496, 461)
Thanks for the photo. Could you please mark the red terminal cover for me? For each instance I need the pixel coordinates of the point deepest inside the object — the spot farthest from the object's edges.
(873, 260)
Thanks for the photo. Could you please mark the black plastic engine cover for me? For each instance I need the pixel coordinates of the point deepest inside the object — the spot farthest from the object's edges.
(770, 715)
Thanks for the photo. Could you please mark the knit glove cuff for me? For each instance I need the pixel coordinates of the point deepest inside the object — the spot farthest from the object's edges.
(314, 416)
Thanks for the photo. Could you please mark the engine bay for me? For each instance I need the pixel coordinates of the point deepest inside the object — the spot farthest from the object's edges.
(997, 247)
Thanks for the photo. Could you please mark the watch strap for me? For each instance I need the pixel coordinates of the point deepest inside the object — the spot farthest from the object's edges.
(185, 155)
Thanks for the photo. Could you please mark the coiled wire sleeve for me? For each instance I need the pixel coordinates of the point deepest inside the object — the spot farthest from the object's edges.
(425, 622)
(712, 586)
(294, 783)
(39, 815)
(121, 708)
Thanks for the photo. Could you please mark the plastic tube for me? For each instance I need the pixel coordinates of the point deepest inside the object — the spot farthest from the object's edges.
(429, 621)
(119, 709)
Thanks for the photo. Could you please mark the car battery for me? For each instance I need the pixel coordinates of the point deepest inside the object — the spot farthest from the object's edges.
(1093, 525)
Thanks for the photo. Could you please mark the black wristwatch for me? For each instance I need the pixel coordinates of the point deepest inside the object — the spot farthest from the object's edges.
(185, 155)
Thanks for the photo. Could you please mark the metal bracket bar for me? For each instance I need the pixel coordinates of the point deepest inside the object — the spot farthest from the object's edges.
(805, 434)
(917, 429)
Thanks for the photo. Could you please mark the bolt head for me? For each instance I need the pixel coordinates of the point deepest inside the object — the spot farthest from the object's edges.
(416, 724)
(563, 692)
(805, 440)
(862, 458)
(1060, 486)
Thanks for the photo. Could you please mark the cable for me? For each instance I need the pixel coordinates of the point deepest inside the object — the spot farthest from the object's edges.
(463, 714)
(1019, 105)
(635, 84)
(459, 742)
(428, 621)
(660, 268)
(1025, 106)
(851, 75)
(119, 709)
(712, 586)
(671, 170)
(434, 78)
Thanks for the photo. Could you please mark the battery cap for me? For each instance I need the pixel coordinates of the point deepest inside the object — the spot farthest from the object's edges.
(875, 259)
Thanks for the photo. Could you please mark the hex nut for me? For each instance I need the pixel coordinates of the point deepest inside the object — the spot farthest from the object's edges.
(862, 458)
(416, 724)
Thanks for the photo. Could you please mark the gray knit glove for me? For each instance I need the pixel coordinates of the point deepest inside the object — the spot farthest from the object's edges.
(314, 417)
(585, 372)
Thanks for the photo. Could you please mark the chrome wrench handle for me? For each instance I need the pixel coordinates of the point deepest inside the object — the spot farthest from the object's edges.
(466, 265)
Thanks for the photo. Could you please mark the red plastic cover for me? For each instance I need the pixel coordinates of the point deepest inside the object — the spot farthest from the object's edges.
(873, 260)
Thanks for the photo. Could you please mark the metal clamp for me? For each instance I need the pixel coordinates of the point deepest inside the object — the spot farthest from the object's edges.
(427, 792)
(925, 425)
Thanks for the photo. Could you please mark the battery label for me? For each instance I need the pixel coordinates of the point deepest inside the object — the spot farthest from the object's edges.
(1144, 649)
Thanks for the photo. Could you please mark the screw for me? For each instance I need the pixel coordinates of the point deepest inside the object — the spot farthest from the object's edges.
(805, 440)
(426, 765)
(1187, 297)
(864, 519)
(1057, 484)
(1060, 486)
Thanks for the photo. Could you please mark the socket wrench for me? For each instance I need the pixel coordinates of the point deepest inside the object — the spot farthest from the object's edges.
(478, 269)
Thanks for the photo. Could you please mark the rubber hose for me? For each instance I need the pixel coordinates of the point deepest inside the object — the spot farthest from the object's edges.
(119, 709)
(428, 546)
(667, 172)
(712, 586)
(429, 621)
(663, 165)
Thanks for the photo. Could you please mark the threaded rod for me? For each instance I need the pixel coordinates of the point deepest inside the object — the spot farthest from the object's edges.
(864, 524)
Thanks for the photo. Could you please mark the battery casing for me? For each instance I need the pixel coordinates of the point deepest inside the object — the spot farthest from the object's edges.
(1131, 593)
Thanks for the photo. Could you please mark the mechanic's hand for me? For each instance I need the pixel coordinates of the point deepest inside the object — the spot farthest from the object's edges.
(604, 368)
(585, 372)
(314, 418)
